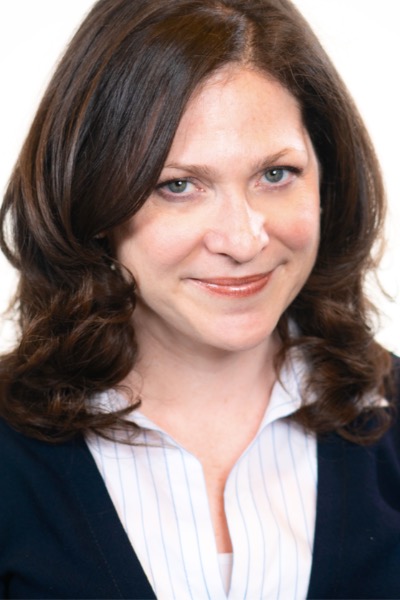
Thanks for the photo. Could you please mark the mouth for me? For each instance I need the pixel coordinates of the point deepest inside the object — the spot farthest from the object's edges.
(238, 287)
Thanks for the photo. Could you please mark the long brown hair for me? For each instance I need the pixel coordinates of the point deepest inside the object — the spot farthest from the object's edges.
(94, 154)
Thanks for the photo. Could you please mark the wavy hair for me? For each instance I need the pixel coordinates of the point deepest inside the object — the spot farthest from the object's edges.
(94, 154)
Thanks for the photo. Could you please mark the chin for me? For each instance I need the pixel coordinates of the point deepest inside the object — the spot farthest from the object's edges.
(239, 340)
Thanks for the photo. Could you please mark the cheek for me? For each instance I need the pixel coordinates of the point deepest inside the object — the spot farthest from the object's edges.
(302, 228)
(156, 245)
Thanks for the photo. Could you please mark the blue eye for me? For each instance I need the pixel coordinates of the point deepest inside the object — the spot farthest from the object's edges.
(177, 187)
(275, 175)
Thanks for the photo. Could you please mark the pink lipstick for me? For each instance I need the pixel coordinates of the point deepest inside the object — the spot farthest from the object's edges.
(238, 287)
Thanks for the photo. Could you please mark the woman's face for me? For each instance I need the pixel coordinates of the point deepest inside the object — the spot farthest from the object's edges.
(230, 234)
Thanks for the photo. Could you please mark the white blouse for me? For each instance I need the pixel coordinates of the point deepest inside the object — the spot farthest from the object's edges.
(159, 493)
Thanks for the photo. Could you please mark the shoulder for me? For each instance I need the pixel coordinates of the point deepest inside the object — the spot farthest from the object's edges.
(396, 378)
(391, 440)
(17, 448)
(40, 484)
(29, 466)
(392, 436)
(358, 513)
(380, 458)
(389, 443)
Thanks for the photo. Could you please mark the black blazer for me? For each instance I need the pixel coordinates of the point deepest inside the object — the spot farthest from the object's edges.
(60, 536)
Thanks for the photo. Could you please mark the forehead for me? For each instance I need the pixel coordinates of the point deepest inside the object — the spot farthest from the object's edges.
(239, 106)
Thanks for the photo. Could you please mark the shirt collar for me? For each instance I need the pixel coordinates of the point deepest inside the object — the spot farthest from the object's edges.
(286, 395)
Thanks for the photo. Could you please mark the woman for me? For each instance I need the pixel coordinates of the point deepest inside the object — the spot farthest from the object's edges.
(196, 407)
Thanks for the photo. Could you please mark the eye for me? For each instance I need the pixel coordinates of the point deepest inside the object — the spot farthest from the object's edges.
(175, 189)
(277, 175)
(177, 186)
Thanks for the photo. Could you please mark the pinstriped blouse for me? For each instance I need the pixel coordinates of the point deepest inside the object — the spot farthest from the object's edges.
(159, 493)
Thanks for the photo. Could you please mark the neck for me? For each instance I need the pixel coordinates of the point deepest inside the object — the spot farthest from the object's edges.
(189, 382)
(211, 403)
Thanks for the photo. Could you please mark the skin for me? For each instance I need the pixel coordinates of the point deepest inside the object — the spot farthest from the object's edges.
(219, 251)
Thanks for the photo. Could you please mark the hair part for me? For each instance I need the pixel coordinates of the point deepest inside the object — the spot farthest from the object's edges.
(94, 154)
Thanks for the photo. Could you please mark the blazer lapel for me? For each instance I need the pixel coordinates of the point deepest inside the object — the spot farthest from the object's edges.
(330, 522)
(106, 528)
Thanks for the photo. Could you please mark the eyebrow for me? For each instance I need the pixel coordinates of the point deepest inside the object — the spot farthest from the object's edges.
(264, 163)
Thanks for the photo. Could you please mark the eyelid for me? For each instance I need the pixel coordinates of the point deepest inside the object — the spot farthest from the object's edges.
(290, 168)
(165, 182)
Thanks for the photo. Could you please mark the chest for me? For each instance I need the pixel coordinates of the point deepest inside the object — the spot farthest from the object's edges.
(263, 510)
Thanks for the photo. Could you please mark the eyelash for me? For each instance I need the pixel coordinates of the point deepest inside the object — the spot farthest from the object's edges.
(161, 187)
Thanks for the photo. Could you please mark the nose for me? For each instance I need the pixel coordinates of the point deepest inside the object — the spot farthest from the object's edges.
(238, 231)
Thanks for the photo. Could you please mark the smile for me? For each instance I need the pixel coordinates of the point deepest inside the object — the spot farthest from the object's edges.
(238, 287)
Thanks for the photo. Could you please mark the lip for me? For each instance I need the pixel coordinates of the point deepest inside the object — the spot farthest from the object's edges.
(238, 287)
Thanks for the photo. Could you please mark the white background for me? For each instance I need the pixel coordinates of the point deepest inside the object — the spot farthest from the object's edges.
(361, 37)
